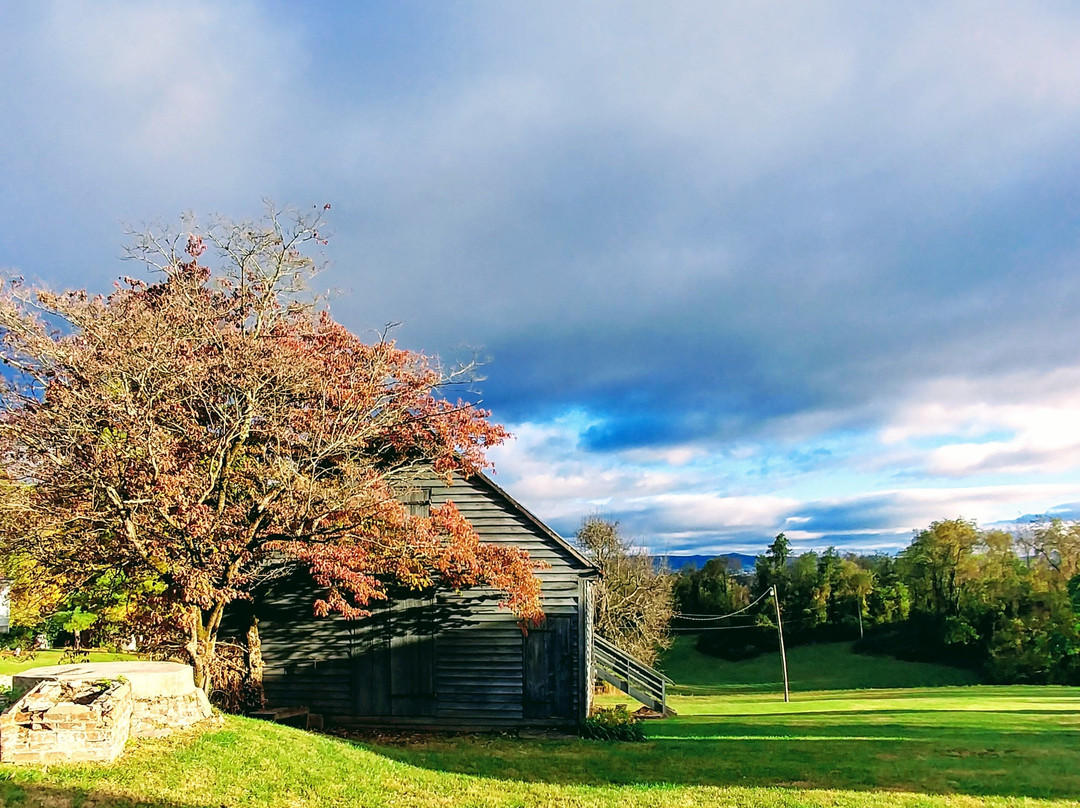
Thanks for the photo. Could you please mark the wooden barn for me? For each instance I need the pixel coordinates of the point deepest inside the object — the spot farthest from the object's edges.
(453, 660)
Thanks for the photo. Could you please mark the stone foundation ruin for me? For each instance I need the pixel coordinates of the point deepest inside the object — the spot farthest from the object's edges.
(87, 712)
(61, 722)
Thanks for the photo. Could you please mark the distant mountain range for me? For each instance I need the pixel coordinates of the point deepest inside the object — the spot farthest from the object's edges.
(677, 562)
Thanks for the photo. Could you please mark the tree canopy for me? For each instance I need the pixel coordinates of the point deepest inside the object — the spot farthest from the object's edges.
(198, 434)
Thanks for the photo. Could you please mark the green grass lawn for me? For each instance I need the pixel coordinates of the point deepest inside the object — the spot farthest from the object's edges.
(10, 665)
(1001, 742)
(931, 747)
(935, 747)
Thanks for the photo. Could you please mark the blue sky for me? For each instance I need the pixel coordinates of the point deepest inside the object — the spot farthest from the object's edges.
(738, 268)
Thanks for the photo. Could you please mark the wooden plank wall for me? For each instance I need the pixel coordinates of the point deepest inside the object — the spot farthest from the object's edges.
(308, 659)
(472, 670)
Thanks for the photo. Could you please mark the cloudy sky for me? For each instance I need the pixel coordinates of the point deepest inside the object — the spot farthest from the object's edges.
(738, 267)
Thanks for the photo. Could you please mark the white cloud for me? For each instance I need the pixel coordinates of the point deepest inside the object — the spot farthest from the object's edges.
(1018, 423)
(716, 512)
(545, 469)
(667, 455)
(680, 508)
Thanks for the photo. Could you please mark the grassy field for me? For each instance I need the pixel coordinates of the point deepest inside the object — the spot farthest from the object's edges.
(829, 666)
(10, 665)
(933, 747)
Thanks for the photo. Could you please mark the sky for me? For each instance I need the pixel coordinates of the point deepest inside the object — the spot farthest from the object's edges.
(735, 268)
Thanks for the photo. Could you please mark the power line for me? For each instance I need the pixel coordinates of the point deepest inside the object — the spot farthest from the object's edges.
(693, 630)
(701, 629)
(706, 617)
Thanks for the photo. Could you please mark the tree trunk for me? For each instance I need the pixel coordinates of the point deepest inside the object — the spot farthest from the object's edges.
(255, 664)
(234, 683)
(201, 646)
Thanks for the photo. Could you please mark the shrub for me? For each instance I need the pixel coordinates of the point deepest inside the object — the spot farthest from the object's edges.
(921, 638)
(23, 638)
(10, 695)
(753, 641)
(614, 724)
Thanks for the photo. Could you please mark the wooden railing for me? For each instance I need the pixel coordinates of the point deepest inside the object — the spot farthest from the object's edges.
(619, 669)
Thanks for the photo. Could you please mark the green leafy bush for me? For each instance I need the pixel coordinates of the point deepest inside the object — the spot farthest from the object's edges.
(614, 724)
(10, 695)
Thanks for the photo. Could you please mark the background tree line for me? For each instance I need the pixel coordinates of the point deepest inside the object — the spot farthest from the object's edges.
(1008, 604)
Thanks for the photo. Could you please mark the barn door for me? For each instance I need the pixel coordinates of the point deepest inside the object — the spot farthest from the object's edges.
(371, 664)
(412, 658)
(549, 669)
(393, 663)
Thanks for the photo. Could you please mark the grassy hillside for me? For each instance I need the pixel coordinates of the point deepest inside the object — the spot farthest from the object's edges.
(931, 748)
(830, 666)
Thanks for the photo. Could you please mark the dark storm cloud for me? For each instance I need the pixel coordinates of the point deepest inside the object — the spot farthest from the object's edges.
(714, 226)
(668, 219)
(676, 298)
(782, 335)
(871, 513)
(684, 288)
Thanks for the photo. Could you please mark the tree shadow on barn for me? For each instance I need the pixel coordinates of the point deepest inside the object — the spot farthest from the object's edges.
(383, 664)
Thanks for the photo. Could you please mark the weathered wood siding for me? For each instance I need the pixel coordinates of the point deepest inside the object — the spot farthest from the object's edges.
(588, 675)
(455, 659)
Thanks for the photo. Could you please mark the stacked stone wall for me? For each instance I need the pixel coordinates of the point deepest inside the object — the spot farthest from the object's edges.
(60, 722)
(163, 694)
(162, 715)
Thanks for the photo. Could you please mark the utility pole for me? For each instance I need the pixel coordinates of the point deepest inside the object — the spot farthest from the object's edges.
(780, 632)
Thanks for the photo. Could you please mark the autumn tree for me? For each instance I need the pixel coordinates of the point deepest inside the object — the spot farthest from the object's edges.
(1053, 545)
(938, 562)
(634, 603)
(199, 434)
